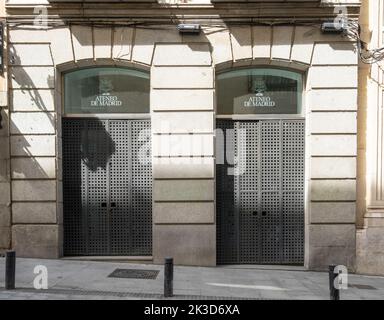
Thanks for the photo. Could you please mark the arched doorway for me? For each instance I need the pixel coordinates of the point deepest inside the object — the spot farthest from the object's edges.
(107, 171)
(260, 167)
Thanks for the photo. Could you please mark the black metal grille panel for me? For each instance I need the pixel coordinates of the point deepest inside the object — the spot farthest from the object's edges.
(225, 198)
(107, 187)
(260, 213)
(134, 274)
(249, 233)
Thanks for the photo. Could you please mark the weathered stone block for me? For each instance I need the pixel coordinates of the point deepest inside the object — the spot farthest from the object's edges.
(5, 215)
(145, 40)
(103, 42)
(32, 77)
(182, 122)
(186, 54)
(3, 98)
(60, 213)
(221, 44)
(4, 148)
(241, 40)
(82, 42)
(333, 122)
(187, 77)
(183, 190)
(31, 54)
(4, 170)
(33, 100)
(332, 244)
(335, 53)
(333, 190)
(333, 99)
(176, 168)
(333, 77)
(320, 258)
(59, 192)
(34, 190)
(282, 42)
(5, 193)
(34, 212)
(187, 244)
(178, 100)
(33, 145)
(33, 123)
(183, 212)
(183, 145)
(374, 218)
(34, 168)
(61, 45)
(333, 212)
(333, 145)
(122, 43)
(36, 241)
(5, 237)
(261, 42)
(370, 251)
(30, 35)
(4, 131)
(333, 168)
(302, 45)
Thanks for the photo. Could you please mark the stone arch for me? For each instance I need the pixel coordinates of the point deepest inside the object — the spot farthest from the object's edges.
(87, 63)
(70, 66)
(297, 67)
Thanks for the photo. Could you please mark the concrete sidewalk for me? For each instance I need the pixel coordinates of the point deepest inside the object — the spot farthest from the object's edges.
(69, 279)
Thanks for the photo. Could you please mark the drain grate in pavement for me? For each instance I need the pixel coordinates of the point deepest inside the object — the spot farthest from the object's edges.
(361, 286)
(134, 274)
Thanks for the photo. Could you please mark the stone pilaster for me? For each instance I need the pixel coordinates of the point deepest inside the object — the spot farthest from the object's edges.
(370, 236)
(183, 148)
(5, 181)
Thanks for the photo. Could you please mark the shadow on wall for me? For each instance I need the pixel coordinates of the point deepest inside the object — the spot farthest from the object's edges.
(26, 128)
(23, 125)
(27, 85)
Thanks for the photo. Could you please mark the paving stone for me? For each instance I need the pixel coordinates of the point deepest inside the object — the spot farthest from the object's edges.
(87, 280)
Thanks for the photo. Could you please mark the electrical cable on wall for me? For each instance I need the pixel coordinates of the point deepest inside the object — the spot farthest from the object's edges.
(352, 30)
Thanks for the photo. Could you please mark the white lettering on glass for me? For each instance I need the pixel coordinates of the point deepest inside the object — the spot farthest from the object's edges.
(259, 101)
(106, 100)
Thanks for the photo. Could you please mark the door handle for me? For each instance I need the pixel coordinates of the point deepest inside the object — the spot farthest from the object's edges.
(113, 204)
(254, 213)
(103, 204)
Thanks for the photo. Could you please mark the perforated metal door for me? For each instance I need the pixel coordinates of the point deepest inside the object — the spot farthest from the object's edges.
(107, 187)
(227, 237)
(260, 212)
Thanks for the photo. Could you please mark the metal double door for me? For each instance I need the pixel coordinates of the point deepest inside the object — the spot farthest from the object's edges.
(107, 187)
(260, 192)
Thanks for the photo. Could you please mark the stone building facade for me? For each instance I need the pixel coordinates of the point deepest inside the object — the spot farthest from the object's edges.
(370, 255)
(184, 71)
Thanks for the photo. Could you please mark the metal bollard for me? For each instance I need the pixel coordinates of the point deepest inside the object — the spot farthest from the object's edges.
(168, 277)
(334, 292)
(10, 269)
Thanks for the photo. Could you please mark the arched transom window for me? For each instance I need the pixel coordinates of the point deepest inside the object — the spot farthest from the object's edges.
(259, 91)
(106, 90)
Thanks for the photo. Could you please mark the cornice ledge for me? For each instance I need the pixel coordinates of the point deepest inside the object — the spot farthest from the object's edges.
(334, 3)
